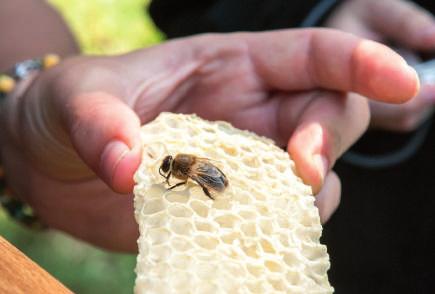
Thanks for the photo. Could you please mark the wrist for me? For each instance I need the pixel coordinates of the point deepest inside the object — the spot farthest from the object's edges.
(13, 86)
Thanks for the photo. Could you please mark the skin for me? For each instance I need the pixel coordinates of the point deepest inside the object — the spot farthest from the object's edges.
(412, 29)
(70, 135)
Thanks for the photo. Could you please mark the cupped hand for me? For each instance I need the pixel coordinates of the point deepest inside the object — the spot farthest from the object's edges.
(72, 139)
(409, 28)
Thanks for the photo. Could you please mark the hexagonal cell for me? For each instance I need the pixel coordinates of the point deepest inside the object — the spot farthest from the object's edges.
(249, 229)
(159, 253)
(158, 235)
(206, 270)
(284, 239)
(242, 197)
(320, 267)
(267, 246)
(250, 250)
(256, 270)
(262, 209)
(257, 286)
(266, 226)
(230, 237)
(153, 206)
(235, 269)
(205, 226)
(180, 280)
(180, 211)
(181, 244)
(293, 277)
(292, 258)
(154, 192)
(251, 161)
(227, 220)
(157, 220)
(181, 261)
(273, 266)
(206, 242)
(176, 197)
(248, 214)
(313, 251)
(199, 208)
(181, 226)
(229, 149)
(161, 269)
(222, 203)
(206, 287)
(278, 284)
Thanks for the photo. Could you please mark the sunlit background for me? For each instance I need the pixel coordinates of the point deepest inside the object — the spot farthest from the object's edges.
(101, 27)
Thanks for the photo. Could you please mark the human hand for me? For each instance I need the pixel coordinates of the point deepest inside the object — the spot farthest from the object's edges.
(405, 25)
(72, 138)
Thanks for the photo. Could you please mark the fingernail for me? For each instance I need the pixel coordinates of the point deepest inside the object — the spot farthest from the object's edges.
(111, 156)
(123, 173)
(322, 165)
(414, 76)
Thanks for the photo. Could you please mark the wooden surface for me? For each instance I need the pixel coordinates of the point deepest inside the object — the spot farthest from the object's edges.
(19, 274)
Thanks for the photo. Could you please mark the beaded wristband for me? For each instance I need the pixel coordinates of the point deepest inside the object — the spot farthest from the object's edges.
(15, 208)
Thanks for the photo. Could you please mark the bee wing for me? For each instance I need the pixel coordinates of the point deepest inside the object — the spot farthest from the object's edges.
(208, 175)
(214, 161)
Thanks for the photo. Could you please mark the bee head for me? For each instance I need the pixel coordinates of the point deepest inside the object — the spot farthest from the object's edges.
(166, 164)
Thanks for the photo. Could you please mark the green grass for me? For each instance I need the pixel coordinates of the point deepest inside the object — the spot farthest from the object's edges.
(109, 26)
(81, 267)
(101, 27)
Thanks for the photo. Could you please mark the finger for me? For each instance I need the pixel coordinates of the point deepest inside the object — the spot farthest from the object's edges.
(329, 125)
(405, 117)
(105, 133)
(328, 199)
(313, 58)
(403, 21)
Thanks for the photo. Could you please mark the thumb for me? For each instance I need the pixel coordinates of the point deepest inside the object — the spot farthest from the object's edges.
(105, 133)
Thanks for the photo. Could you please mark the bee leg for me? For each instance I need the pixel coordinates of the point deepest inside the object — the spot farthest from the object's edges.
(167, 178)
(176, 185)
(206, 192)
(161, 173)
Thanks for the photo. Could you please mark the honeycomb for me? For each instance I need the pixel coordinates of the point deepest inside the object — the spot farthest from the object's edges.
(261, 235)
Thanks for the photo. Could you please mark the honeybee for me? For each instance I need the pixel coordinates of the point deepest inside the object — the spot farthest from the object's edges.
(200, 170)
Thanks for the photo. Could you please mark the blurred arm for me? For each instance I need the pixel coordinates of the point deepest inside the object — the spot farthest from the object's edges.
(32, 28)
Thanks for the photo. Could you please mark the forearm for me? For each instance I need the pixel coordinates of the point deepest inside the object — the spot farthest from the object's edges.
(32, 28)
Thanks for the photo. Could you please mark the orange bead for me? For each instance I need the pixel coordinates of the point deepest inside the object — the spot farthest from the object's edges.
(7, 84)
(50, 60)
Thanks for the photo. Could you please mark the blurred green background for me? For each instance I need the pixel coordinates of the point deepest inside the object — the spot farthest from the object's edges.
(101, 27)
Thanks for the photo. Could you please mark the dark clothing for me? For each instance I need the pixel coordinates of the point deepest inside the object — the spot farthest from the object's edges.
(182, 18)
(381, 238)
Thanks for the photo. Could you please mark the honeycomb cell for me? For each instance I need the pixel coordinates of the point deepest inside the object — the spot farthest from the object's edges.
(181, 226)
(181, 261)
(231, 237)
(153, 206)
(205, 226)
(273, 266)
(249, 229)
(181, 244)
(199, 208)
(228, 220)
(206, 242)
(180, 211)
(267, 246)
(158, 235)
